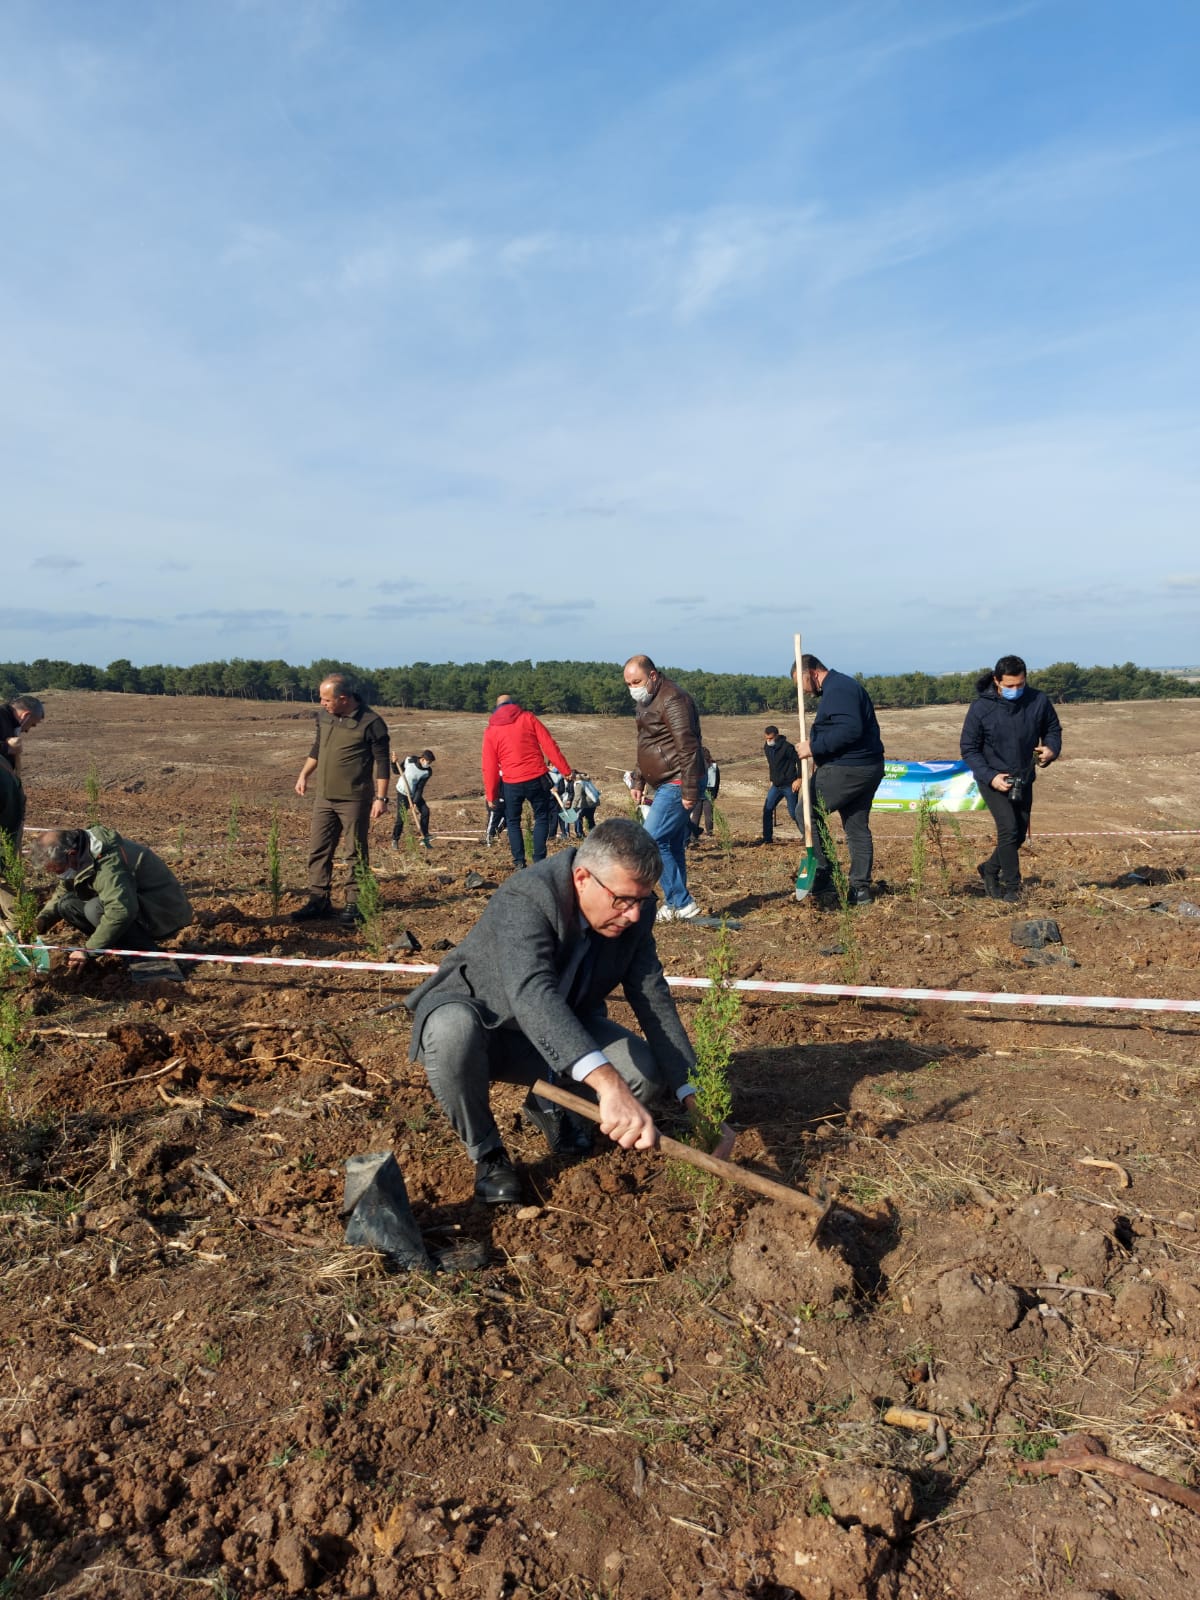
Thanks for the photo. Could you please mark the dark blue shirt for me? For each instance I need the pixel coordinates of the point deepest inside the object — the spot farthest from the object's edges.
(845, 732)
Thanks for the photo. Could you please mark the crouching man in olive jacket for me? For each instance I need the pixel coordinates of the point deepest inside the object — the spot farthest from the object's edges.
(118, 893)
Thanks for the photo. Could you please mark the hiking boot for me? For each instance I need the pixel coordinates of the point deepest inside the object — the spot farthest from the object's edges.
(679, 913)
(566, 1134)
(862, 896)
(314, 911)
(496, 1180)
(991, 880)
(1011, 897)
(351, 917)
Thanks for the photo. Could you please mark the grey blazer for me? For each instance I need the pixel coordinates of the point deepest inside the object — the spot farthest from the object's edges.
(511, 964)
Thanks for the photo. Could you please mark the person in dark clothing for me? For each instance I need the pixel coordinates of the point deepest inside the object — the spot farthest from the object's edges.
(701, 819)
(1010, 731)
(12, 821)
(783, 770)
(846, 746)
(350, 757)
(22, 714)
(495, 821)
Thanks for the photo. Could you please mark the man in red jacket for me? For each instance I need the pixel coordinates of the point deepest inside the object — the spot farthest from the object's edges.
(517, 749)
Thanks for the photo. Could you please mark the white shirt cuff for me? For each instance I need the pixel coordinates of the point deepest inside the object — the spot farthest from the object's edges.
(588, 1064)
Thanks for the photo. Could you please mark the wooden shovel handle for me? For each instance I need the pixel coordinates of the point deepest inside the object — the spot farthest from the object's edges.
(729, 1170)
(805, 764)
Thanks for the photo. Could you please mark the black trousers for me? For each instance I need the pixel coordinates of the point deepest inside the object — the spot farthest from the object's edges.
(402, 811)
(1012, 830)
(848, 791)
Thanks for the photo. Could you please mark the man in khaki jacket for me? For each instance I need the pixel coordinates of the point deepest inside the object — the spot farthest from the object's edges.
(118, 893)
(351, 758)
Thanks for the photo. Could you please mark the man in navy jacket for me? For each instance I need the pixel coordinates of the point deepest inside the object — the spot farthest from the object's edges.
(1010, 731)
(846, 746)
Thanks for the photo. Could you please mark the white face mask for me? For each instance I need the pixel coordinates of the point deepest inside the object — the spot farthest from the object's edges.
(639, 692)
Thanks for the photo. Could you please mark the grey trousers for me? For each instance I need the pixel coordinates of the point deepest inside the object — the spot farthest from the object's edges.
(462, 1058)
(330, 819)
(84, 914)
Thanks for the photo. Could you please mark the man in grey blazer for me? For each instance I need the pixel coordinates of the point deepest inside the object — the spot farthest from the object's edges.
(523, 996)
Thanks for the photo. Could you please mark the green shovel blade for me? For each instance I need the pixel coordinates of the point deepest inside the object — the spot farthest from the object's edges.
(806, 876)
(36, 956)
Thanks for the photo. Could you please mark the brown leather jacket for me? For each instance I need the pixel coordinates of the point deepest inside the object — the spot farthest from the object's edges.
(668, 749)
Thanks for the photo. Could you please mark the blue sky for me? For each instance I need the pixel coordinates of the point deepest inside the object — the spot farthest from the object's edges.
(392, 332)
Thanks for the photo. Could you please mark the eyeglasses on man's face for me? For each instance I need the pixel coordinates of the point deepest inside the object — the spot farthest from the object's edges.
(622, 902)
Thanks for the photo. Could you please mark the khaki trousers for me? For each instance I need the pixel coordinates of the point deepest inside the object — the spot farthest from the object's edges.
(330, 820)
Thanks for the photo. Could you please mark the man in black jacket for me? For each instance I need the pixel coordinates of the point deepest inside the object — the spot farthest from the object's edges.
(783, 769)
(1009, 732)
(846, 745)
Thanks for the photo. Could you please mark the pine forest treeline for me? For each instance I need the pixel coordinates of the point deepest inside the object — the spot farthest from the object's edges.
(562, 687)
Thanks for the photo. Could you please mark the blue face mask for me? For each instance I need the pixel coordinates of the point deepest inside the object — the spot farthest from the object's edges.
(1012, 694)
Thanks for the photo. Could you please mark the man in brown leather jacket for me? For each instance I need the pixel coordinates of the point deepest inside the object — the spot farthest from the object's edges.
(669, 759)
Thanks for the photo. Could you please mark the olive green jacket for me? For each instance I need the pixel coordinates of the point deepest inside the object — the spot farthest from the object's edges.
(133, 886)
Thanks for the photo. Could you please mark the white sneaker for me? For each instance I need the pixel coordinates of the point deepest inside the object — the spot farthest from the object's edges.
(678, 914)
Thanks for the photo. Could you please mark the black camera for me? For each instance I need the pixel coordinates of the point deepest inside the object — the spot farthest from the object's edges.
(1016, 788)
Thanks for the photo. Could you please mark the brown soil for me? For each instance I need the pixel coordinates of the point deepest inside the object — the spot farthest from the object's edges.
(652, 1388)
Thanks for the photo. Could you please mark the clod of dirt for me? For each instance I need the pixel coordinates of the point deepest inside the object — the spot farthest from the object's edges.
(294, 1563)
(1139, 1307)
(972, 1302)
(1039, 931)
(817, 1559)
(442, 944)
(1048, 958)
(209, 916)
(882, 1501)
(589, 1317)
(776, 1261)
(1058, 1237)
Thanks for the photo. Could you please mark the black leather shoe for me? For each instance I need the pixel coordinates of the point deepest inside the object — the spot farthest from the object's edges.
(351, 917)
(566, 1134)
(862, 896)
(313, 911)
(991, 880)
(1011, 897)
(496, 1180)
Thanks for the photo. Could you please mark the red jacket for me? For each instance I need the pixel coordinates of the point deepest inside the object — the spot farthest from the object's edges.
(518, 745)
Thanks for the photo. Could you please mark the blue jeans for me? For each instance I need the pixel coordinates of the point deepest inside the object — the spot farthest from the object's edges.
(537, 792)
(775, 794)
(667, 825)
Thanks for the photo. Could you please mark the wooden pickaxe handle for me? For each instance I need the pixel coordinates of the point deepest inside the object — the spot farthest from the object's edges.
(812, 1208)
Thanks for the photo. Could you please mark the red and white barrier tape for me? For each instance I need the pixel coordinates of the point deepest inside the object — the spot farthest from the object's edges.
(862, 991)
